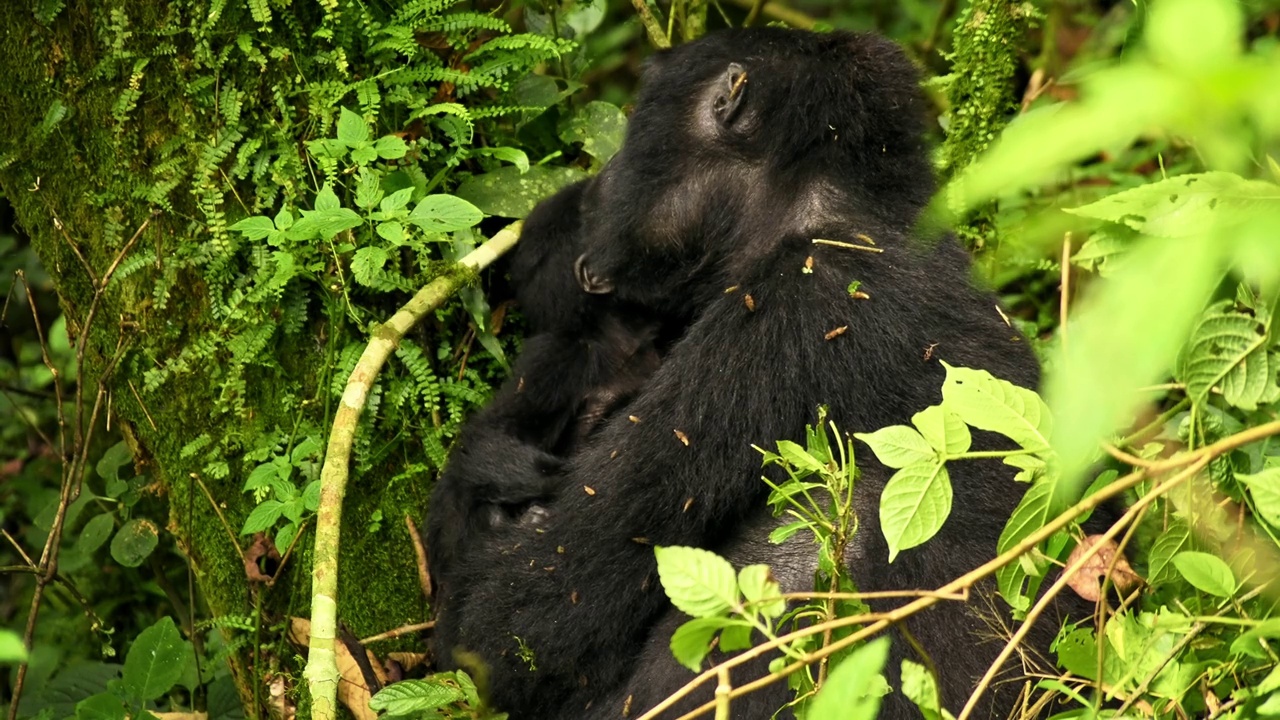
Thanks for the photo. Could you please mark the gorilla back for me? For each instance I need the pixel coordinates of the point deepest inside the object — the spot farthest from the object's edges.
(744, 148)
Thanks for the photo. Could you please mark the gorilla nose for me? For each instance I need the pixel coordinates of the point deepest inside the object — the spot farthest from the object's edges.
(589, 281)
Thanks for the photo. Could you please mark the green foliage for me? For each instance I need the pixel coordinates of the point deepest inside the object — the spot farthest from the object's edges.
(442, 696)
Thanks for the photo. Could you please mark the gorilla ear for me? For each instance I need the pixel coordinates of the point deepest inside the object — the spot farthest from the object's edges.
(590, 282)
(731, 93)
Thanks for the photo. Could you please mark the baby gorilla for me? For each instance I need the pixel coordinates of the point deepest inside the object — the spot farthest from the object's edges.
(586, 357)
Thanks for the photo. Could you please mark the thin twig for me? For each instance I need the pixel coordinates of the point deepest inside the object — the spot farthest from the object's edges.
(402, 630)
(847, 246)
(420, 551)
(1064, 294)
(226, 525)
(1045, 600)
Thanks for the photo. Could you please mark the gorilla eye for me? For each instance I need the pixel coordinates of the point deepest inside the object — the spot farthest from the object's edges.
(731, 92)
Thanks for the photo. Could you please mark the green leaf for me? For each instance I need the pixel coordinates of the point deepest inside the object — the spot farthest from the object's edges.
(390, 147)
(1264, 488)
(155, 661)
(691, 642)
(1194, 37)
(95, 533)
(351, 128)
(261, 477)
(392, 232)
(991, 404)
(1207, 573)
(311, 496)
(103, 706)
(914, 505)
(899, 446)
(323, 224)
(397, 200)
(134, 542)
(506, 192)
(284, 219)
(760, 590)
(1250, 643)
(12, 651)
(411, 697)
(367, 264)
(368, 189)
(921, 688)
(444, 213)
(783, 533)
(257, 227)
(798, 457)
(284, 537)
(515, 156)
(851, 692)
(1185, 205)
(1229, 349)
(1034, 510)
(363, 154)
(944, 430)
(698, 582)
(600, 127)
(326, 199)
(262, 517)
(1170, 543)
(116, 457)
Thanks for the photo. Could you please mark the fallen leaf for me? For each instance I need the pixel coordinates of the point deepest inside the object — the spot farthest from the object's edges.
(1088, 582)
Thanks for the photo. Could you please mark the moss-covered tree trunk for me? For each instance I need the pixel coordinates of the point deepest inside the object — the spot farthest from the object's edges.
(111, 110)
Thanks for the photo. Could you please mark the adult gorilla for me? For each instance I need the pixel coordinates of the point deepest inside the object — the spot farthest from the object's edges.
(744, 147)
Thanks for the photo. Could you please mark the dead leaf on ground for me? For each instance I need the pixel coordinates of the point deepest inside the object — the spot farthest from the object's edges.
(352, 691)
(1088, 582)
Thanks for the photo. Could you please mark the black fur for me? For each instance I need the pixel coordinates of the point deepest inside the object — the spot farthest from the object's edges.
(722, 184)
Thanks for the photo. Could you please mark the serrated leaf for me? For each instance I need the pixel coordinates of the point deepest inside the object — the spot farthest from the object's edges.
(367, 264)
(134, 542)
(410, 697)
(899, 446)
(913, 506)
(311, 496)
(368, 189)
(326, 199)
(1032, 513)
(323, 224)
(1184, 206)
(444, 213)
(261, 477)
(691, 642)
(995, 405)
(1170, 543)
(284, 537)
(307, 449)
(397, 200)
(698, 582)
(1102, 251)
(761, 591)
(1207, 573)
(390, 147)
(284, 219)
(943, 430)
(351, 128)
(1229, 349)
(262, 517)
(257, 227)
(506, 192)
(852, 691)
(363, 154)
(392, 232)
(1264, 488)
(155, 661)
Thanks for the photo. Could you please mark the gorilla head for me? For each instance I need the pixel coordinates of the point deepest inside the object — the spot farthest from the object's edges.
(778, 133)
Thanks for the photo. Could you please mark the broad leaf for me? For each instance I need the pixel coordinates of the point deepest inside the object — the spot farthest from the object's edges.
(988, 403)
(1229, 349)
(853, 689)
(134, 542)
(507, 192)
(1207, 573)
(444, 213)
(914, 505)
(760, 590)
(691, 642)
(1264, 488)
(698, 582)
(351, 128)
(155, 661)
(899, 446)
(1185, 205)
(412, 697)
(944, 430)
